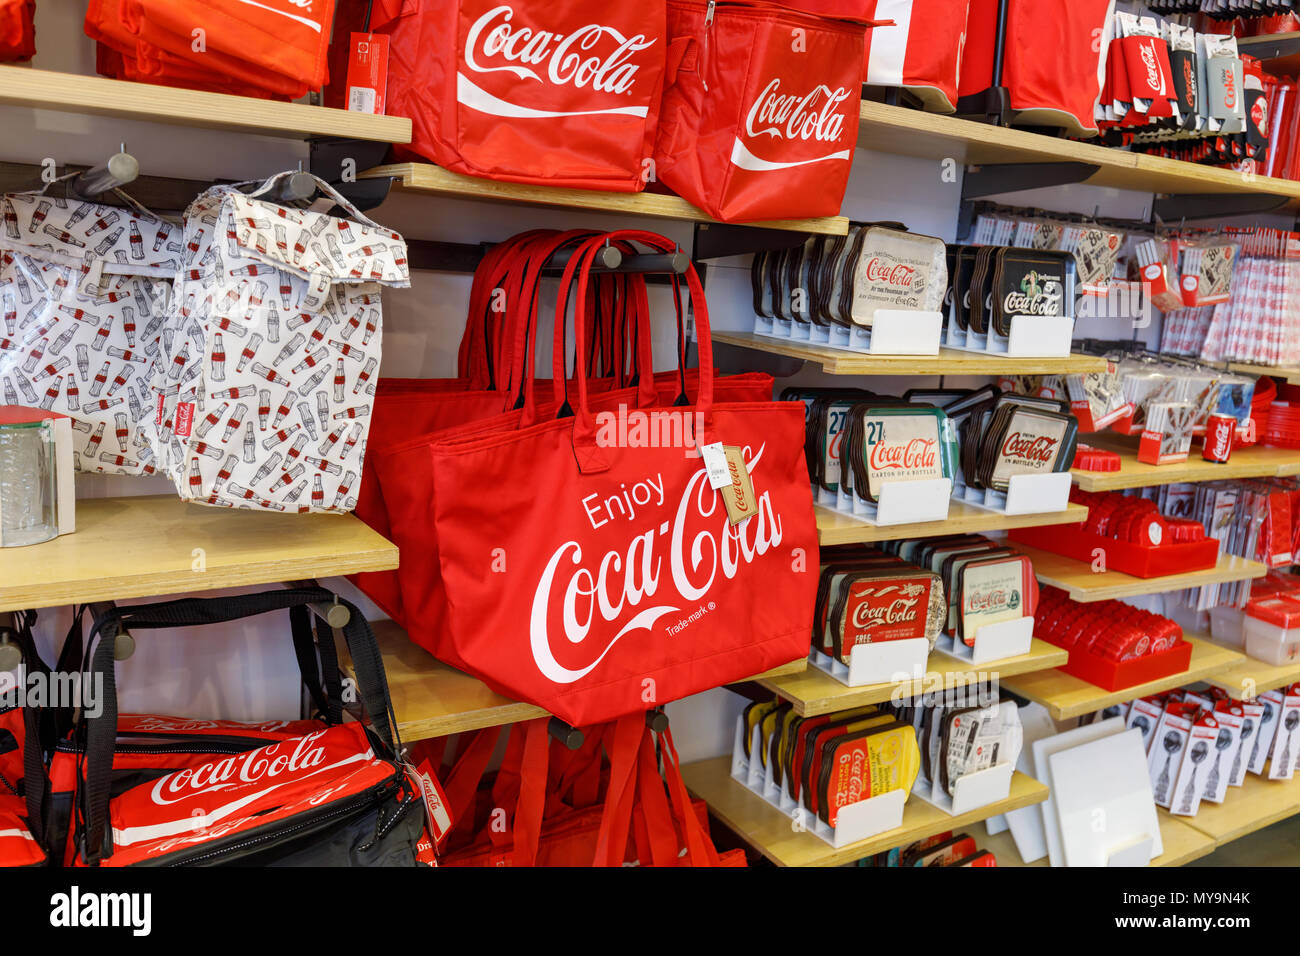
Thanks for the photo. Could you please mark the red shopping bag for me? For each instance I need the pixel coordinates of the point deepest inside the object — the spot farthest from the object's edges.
(562, 94)
(760, 118)
(607, 804)
(602, 576)
(17, 30)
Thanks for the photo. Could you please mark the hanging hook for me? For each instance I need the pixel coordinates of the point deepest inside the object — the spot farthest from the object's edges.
(120, 170)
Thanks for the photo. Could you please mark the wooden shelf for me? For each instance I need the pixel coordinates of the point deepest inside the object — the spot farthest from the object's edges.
(1250, 677)
(1257, 803)
(771, 832)
(836, 528)
(1083, 584)
(1067, 696)
(430, 180)
(432, 699)
(1182, 844)
(97, 95)
(897, 130)
(1289, 375)
(815, 692)
(1279, 51)
(152, 545)
(947, 362)
(1255, 462)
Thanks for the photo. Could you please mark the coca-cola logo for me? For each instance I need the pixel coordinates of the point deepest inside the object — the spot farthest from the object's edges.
(993, 599)
(1036, 448)
(1229, 89)
(696, 541)
(890, 273)
(1046, 302)
(899, 611)
(275, 764)
(915, 453)
(594, 56)
(299, 4)
(1155, 78)
(816, 116)
(150, 724)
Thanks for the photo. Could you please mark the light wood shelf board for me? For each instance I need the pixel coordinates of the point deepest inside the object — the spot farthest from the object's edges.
(427, 179)
(836, 528)
(773, 834)
(100, 96)
(1067, 696)
(815, 692)
(947, 362)
(145, 546)
(1083, 584)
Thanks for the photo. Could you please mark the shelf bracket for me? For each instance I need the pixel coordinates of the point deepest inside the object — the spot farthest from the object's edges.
(124, 644)
(1213, 205)
(716, 240)
(993, 179)
(339, 161)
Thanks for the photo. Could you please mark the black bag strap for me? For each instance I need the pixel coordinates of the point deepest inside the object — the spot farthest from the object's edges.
(36, 728)
(319, 676)
(101, 730)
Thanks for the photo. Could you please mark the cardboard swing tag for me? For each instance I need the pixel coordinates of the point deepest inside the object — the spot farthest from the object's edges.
(436, 811)
(738, 493)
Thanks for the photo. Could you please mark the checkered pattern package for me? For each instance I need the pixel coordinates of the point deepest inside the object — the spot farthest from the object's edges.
(265, 384)
(84, 289)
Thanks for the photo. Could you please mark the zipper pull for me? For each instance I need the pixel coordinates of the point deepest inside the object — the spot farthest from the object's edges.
(708, 28)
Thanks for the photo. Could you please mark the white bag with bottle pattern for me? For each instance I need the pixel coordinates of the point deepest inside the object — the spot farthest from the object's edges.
(265, 387)
(84, 290)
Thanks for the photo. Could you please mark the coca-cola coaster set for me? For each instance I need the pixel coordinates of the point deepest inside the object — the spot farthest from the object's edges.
(1010, 301)
(880, 289)
(1007, 440)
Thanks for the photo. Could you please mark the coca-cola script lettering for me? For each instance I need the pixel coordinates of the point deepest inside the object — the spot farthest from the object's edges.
(594, 56)
(602, 600)
(1040, 449)
(817, 116)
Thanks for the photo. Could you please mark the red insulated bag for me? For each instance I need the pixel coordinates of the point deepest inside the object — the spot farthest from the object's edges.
(760, 118)
(330, 794)
(555, 93)
(591, 576)
(919, 51)
(23, 781)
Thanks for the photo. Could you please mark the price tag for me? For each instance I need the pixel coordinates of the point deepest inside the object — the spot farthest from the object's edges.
(715, 465)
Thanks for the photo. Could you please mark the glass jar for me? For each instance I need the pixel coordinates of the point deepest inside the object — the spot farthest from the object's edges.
(28, 499)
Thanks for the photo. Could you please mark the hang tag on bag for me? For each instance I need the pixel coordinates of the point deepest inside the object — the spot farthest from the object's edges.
(738, 493)
(368, 73)
(436, 811)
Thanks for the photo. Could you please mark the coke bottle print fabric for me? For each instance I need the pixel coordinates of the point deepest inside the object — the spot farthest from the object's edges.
(83, 290)
(270, 353)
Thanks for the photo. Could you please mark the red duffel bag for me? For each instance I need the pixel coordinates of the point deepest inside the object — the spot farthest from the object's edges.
(555, 93)
(760, 117)
(593, 576)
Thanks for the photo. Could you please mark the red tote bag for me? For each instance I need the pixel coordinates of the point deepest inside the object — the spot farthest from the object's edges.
(594, 579)
(760, 118)
(533, 91)
(1055, 61)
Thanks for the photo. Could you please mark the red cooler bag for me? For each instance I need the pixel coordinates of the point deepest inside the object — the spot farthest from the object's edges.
(595, 577)
(555, 93)
(760, 118)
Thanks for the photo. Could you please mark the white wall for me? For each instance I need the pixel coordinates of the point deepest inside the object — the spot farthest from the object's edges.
(247, 671)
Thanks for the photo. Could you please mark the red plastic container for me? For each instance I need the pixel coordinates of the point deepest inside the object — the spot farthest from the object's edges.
(1140, 561)
(1118, 675)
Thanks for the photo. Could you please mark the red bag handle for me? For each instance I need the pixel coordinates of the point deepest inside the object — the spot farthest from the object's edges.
(699, 847)
(590, 457)
(624, 743)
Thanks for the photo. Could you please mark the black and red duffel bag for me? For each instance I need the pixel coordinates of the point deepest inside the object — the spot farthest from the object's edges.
(337, 794)
(22, 771)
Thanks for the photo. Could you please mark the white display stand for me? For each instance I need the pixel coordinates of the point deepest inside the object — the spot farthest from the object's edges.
(1025, 495)
(1137, 853)
(901, 502)
(1031, 337)
(892, 332)
(854, 822)
(881, 663)
(993, 642)
(972, 791)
